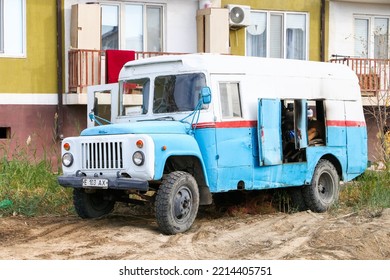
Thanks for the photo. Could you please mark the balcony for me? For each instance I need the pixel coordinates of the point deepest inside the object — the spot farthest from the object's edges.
(374, 77)
(88, 68)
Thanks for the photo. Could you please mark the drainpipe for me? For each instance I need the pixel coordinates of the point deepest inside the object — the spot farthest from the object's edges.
(60, 107)
(322, 31)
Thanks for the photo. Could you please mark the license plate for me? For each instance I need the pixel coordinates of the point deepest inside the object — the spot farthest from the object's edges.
(97, 183)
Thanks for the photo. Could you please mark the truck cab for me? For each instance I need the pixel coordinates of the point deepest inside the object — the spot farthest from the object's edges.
(207, 124)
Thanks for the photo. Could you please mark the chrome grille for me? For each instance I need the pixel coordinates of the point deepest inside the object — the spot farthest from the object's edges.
(102, 155)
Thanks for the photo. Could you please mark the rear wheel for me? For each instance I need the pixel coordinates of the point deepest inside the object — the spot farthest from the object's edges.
(177, 202)
(324, 189)
(91, 205)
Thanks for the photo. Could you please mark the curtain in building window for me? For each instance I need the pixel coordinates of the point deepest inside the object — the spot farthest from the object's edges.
(381, 38)
(256, 35)
(295, 37)
(295, 44)
(110, 31)
(361, 37)
(134, 39)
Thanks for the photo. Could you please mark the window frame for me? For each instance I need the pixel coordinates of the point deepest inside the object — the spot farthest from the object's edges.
(122, 23)
(283, 40)
(3, 39)
(370, 48)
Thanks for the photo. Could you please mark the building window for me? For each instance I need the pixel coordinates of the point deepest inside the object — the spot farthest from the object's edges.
(136, 27)
(110, 27)
(277, 34)
(372, 37)
(1, 26)
(12, 28)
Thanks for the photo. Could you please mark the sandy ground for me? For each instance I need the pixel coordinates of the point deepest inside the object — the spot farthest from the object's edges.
(273, 236)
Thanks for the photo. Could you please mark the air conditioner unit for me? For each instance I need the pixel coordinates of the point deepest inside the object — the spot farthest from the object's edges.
(239, 16)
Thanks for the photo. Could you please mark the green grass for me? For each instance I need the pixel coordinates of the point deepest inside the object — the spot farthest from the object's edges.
(371, 191)
(29, 187)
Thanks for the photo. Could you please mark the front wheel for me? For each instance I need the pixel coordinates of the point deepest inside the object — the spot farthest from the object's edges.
(177, 202)
(91, 205)
(324, 189)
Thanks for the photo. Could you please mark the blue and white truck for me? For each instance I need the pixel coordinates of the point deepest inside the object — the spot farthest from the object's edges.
(206, 124)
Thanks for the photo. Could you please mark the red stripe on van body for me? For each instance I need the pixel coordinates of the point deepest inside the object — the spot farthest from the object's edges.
(229, 124)
(243, 124)
(346, 123)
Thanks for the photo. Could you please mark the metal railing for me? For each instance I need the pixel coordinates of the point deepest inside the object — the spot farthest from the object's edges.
(86, 68)
(373, 74)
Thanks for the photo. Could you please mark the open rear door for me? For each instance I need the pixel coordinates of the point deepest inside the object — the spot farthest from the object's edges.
(269, 131)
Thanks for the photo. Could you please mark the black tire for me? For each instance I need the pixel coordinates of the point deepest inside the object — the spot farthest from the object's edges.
(91, 205)
(177, 202)
(324, 189)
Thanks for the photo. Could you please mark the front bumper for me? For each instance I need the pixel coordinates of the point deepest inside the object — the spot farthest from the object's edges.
(117, 183)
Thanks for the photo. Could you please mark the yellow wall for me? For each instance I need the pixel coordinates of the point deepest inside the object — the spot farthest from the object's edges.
(313, 7)
(37, 73)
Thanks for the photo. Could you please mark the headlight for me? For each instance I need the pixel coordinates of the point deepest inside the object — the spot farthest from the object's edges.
(67, 159)
(138, 158)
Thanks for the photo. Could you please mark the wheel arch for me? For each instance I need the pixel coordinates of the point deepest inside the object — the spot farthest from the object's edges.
(335, 162)
(194, 166)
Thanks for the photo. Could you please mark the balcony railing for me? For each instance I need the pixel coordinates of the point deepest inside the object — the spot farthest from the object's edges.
(87, 68)
(373, 74)
(84, 69)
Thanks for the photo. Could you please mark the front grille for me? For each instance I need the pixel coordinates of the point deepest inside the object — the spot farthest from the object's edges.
(102, 155)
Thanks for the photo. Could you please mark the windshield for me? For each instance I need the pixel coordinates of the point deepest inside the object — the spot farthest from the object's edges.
(172, 93)
(177, 93)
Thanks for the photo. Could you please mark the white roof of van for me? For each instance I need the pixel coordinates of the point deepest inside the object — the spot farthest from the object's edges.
(227, 64)
(322, 72)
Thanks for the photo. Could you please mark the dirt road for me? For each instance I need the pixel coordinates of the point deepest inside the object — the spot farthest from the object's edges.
(121, 235)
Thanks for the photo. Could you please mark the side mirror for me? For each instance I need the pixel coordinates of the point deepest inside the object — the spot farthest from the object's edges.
(206, 95)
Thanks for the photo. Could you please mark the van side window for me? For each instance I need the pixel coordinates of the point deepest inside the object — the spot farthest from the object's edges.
(230, 99)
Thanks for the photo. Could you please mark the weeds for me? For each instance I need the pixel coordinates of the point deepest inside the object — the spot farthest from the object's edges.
(370, 191)
(28, 186)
